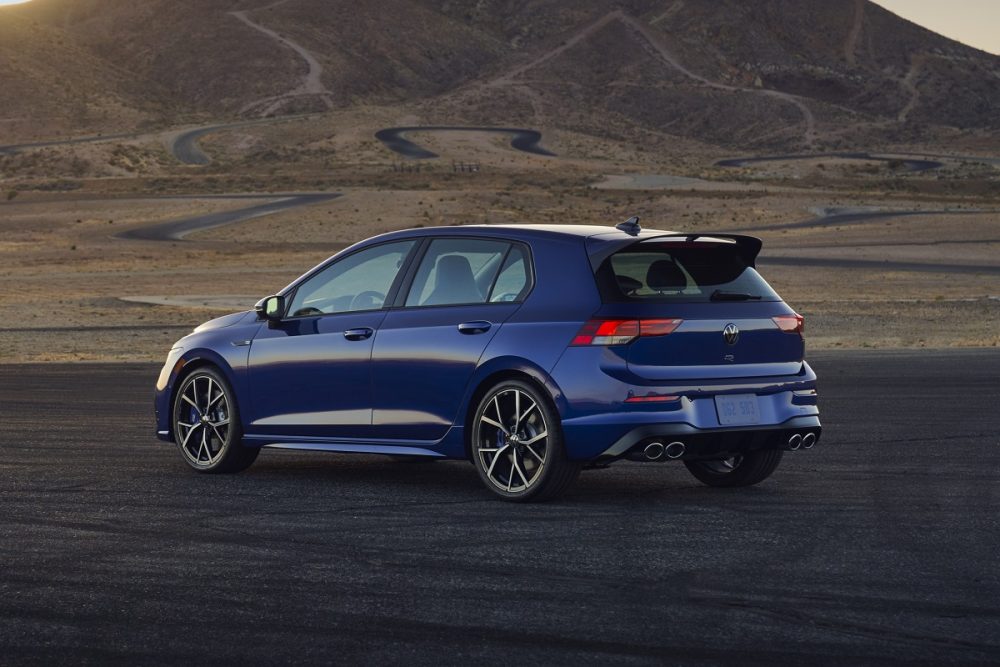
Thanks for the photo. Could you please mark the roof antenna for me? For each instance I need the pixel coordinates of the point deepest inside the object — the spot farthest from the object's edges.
(630, 226)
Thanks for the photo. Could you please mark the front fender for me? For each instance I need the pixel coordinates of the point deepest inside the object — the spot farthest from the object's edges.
(227, 349)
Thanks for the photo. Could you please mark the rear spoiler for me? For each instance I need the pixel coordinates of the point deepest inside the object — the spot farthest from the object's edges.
(599, 248)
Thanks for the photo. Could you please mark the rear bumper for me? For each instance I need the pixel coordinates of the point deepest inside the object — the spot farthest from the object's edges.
(714, 442)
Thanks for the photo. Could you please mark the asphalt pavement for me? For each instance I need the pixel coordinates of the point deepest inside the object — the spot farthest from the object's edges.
(527, 141)
(908, 162)
(879, 546)
(176, 230)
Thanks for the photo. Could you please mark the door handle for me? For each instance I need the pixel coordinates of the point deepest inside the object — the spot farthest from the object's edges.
(477, 327)
(358, 334)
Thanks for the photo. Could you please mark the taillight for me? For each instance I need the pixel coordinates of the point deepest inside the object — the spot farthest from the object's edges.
(790, 323)
(620, 332)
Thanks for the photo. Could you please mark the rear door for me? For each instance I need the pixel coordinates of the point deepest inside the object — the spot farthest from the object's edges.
(428, 347)
(733, 324)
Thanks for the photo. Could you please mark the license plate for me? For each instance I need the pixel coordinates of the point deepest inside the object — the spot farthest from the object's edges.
(737, 409)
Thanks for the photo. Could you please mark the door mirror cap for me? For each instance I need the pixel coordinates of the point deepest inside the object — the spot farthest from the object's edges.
(271, 308)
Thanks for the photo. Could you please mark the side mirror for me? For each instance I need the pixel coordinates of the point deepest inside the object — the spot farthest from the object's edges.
(271, 308)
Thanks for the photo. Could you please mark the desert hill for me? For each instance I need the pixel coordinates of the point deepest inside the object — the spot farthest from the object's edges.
(782, 73)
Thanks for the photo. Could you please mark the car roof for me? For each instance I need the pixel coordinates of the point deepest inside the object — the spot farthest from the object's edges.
(528, 231)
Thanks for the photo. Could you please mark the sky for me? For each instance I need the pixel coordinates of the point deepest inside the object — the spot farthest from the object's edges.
(972, 22)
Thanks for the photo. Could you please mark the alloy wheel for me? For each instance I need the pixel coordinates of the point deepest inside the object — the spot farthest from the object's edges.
(203, 420)
(512, 441)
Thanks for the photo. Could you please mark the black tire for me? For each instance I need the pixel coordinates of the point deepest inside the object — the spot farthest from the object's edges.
(745, 470)
(541, 474)
(212, 439)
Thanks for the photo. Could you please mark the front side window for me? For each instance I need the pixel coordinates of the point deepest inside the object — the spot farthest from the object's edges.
(457, 271)
(359, 281)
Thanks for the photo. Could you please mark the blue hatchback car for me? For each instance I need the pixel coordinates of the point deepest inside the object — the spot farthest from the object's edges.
(532, 350)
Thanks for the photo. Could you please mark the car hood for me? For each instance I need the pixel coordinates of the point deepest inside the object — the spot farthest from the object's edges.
(224, 321)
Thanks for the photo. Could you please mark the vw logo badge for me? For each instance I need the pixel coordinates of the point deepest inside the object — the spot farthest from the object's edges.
(731, 333)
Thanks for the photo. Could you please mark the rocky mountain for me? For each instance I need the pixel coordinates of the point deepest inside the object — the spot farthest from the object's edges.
(787, 73)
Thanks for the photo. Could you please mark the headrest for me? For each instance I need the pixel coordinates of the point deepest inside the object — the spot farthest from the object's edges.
(453, 268)
(665, 275)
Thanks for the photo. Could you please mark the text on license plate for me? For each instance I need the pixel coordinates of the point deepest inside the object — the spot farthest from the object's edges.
(737, 409)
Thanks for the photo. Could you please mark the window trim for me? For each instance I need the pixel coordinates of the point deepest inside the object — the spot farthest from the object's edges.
(404, 291)
(397, 282)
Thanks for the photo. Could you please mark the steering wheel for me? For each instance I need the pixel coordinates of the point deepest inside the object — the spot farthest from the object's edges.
(367, 300)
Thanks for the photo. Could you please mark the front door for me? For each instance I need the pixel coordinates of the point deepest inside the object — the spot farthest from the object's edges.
(310, 374)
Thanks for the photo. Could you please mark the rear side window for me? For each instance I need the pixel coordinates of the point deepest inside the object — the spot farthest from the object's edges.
(512, 282)
(457, 271)
(681, 272)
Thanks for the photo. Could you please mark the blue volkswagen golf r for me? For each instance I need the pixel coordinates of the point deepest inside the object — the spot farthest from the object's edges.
(532, 350)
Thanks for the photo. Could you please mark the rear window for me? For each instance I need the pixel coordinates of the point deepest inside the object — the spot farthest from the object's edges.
(681, 271)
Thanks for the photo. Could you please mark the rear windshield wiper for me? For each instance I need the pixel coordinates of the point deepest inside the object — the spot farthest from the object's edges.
(719, 295)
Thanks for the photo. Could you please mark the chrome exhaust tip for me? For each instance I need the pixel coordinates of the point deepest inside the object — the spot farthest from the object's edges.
(653, 451)
(675, 450)
(808, 440)
(795, 442)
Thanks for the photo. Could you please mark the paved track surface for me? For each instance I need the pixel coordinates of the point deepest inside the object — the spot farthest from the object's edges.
(878, 265)
(17, 148)
(910, 163)
(522, 140)
(846, 218)
(877, 547)
(175, 230)
(185, 148)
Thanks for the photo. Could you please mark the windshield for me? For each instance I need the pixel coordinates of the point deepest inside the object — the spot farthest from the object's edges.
(681, 271)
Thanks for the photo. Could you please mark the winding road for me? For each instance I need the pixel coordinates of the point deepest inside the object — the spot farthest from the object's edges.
(175, 230)
(17, 148)
(839, 217)
(523, 140)
(843, 217)
(882, 266)
(185, 148)
(910, 163)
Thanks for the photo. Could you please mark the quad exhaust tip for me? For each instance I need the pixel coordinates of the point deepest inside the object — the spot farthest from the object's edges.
(653, 451)
(675, 450)
(795, 441)
(808, 440)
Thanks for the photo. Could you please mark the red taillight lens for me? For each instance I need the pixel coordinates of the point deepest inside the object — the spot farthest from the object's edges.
(620, 332)
(652, 398)
(791, 323)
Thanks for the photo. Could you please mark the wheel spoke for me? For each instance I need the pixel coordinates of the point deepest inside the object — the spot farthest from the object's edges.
(494, 423)
(191, 429)
(211, 400)
(525, 414)
(222, 440)
(517, 409)
(518, 469)
(535, 439)
(534, 453)
(203, 445)
(496, 405)
(193, 404)
(496, 457)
